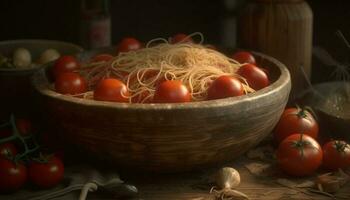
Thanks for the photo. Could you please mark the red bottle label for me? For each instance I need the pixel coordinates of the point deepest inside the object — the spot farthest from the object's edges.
(96, 33)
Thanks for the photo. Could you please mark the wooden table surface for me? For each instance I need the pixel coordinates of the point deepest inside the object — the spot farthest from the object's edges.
(196, 185)
(257, 184)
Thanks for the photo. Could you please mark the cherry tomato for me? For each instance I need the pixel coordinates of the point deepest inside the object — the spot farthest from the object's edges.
(7, 150)
(299, 155)
(12, 175)
(101, 58)
(111, 90)
(255, 77)
(70, 83)
(180, 38)
(244, 57)
(128, 44)
(336, 154)
(24, 126)
(225, 86)
(171, 91)
(295, 120)
(47, 173)
(65, 64)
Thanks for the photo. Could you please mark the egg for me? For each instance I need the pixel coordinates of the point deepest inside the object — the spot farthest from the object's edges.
(22, 58)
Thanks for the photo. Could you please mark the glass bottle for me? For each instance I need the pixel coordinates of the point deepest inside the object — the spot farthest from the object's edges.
(95, 27)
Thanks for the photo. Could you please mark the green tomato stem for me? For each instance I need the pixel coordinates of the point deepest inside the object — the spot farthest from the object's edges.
(16, 135)
(7, 139)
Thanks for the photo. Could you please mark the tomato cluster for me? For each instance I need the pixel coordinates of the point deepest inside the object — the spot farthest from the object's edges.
(44, 174)
(17, 165)
(299, 153)
(8, 148)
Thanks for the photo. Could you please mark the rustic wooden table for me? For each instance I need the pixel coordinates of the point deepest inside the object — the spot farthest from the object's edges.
(260, 180)
(265, 185)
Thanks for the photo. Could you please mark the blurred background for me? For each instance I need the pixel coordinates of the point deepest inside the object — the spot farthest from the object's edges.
(60, 19)
(98, 23)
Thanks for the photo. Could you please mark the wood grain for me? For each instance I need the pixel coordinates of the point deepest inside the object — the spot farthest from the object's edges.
(167, 137)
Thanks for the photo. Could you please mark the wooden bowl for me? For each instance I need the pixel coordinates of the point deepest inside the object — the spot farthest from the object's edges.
(168, 137)
(15, 84)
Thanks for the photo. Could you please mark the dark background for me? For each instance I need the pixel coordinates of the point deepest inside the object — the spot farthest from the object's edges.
(59, 19)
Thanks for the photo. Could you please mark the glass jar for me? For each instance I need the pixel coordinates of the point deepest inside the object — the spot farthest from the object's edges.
(283, 30)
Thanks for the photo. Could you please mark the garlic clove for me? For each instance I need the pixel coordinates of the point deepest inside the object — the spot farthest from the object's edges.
(22, 58)
(48, 55)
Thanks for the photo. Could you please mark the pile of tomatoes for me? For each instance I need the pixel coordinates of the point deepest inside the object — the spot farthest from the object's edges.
(19, 162)
(69, 81)
(299, 153)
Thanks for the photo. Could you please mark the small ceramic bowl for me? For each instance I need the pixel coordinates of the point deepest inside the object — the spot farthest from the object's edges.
(331, 103)
(15, 84)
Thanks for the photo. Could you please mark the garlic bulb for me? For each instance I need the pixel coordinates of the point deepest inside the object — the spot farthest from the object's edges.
(48, 55)
(227, 178)
(22, 58)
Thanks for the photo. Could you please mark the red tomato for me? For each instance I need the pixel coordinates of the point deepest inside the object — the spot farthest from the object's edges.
(111, 90)
(70, 83)
(180, 38)
(295, 120)
(299, 155)
(336, 154)
(65, 64)
(102, 57)
(128, 44)
(225, 86)
(7, 150)
(24, 126)
(12, 175)
(255, 77)
(46, 174)
(171, 91)
(244, 57)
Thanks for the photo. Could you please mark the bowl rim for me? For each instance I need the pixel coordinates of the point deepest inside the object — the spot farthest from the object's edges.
(319, 86)
(283, 80)
(9, 42)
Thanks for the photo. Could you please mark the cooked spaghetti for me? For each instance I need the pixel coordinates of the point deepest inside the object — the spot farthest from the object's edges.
(141, 70)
